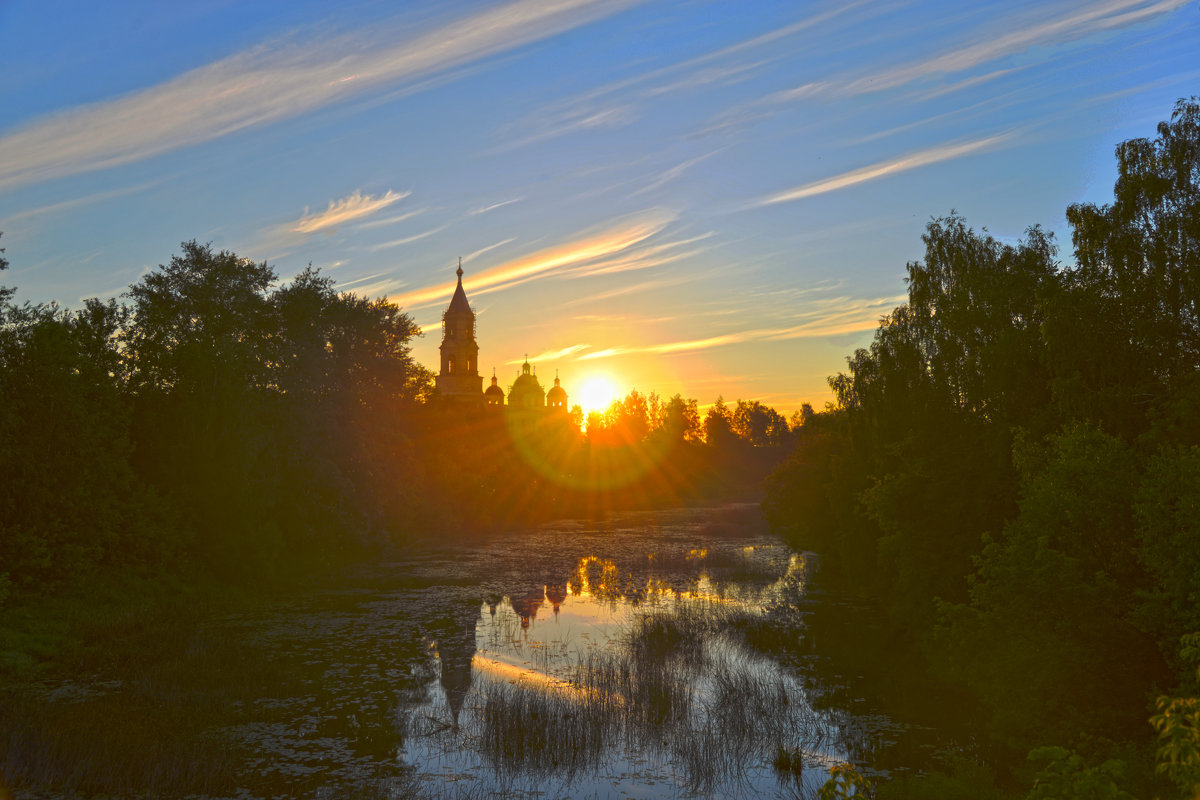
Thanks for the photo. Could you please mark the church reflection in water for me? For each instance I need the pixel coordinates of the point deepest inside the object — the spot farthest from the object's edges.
(454, 637)
(643, 662)
(453, 633)
(602, 595)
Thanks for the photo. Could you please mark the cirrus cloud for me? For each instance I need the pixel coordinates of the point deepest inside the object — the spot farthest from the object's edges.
(882, 169)
(348, 209)
(270, 83)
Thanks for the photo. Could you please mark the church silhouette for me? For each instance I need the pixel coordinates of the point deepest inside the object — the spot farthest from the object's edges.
(459, 381)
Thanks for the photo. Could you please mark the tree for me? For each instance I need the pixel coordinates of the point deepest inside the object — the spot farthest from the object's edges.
(1066, 776)
(801, 417)
(975, 304)
(797, 502)
(201, 325)
(679, 420)
(628, 419)
(6, 293)
(757, 424)
(1125, 330)
(1167, 527)
(1047, 639)
(1177, 723)
(332, 344)
(718, 425)
(200, 349)
(70, 503)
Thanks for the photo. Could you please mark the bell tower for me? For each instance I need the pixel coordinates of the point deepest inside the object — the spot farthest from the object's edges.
(459, 379)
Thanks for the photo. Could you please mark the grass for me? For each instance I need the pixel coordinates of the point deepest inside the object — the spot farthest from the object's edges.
(148, 732)
(130, 700)
(682, 690)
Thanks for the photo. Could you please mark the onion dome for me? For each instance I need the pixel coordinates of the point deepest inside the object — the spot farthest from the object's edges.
(494, 395)
(556, 593)
(557, 396)
(526, 392)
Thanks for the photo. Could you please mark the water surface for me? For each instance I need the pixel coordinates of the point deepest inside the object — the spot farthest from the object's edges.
(652, 655)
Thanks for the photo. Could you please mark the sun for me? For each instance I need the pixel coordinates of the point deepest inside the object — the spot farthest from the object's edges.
(596, 394)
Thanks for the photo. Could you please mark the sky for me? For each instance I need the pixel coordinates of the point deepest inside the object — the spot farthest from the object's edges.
(705, 197)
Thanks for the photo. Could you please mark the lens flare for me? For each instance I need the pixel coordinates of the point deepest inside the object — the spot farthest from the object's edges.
(596, 394)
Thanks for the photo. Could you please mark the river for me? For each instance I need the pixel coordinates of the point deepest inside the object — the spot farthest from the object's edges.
(653, 655)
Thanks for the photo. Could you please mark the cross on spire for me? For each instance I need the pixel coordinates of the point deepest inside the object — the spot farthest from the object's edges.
(459, 270)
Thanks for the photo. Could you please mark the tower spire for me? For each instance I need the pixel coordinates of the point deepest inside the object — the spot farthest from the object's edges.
(459, 377)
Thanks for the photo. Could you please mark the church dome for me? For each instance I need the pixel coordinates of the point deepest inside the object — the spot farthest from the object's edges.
(494, 395)
(526, 392)
(557, 396)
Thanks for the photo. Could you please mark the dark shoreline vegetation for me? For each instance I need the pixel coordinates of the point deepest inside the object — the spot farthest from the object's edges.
(1011, 474)
(1008, 484)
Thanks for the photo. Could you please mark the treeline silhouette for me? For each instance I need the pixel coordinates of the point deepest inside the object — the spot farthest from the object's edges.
(1012, 471)
(221, 423)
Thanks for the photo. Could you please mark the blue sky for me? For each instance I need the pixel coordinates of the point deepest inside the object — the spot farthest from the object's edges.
(700, 197)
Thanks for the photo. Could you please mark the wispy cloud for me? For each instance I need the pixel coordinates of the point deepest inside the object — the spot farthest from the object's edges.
(379, 223)
(270, 83)
(551, 124)
(668, 175)
(54, 208)
(634, 288)
(639, 258)
(708, 76)
(1016, 36)
(469, 257)
(366, 279)
(588, 246)
(552, 355)
(493, 206)
(882, 169)
(347, 209)
(968, 83)
(1075, 23)
(840, 316)
(276, 240)
(416, 237)
(597, 107)
(810, 89)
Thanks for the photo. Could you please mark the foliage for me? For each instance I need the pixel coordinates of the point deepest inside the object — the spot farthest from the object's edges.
(1066, 777)
(718, 425)
(201, 325)
(213, 420)
(679, 420)
(962, 778)
(1177, 723)
(1124, 331)
(70, 504)
(845, 781)
(1010, 470)
(1167, 513)
(760, 425)
(224, 422)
